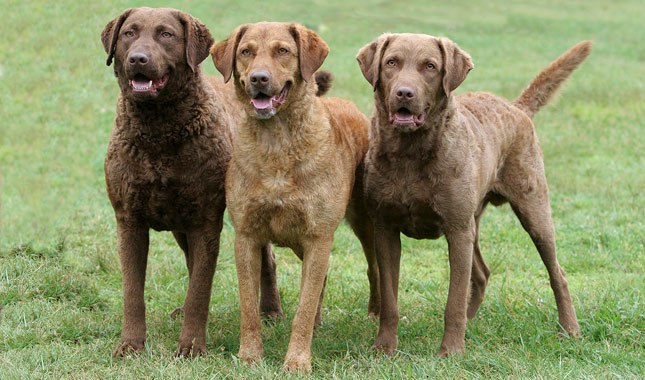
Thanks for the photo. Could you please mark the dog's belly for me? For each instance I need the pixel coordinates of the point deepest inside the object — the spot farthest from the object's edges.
(166, 209)
(284, 224)
(166, 202)
(413, 219)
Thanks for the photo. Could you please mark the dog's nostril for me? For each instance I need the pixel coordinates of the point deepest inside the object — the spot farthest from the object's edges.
(138, 58)
(405, 92)
(260, 76)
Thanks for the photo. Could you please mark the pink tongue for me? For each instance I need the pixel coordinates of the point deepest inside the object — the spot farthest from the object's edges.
(403, 117)
(261, 103)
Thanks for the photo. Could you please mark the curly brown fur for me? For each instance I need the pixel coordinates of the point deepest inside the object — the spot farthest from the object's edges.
(166, 161)
(292, 176)
(436, 161)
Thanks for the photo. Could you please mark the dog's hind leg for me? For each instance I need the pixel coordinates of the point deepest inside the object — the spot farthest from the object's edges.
(270, 305)
(363, 228)
(182, 241)
(534, 213)
(478, 276)
(529, 198)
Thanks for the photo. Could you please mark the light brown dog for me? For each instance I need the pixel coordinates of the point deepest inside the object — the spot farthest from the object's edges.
(436, 161)
(166, 163)
(292, 176)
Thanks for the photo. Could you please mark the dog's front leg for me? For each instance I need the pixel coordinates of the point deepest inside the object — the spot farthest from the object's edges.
(388, 254)
(248, 260)
(133, 255)
(314, 270)
(203, 249)
(460, 253)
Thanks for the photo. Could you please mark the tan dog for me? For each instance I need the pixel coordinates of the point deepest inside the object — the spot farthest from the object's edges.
(436, 161)
(292, 176)
(166, 163)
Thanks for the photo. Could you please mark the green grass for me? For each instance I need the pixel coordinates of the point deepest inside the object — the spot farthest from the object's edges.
(60, 294)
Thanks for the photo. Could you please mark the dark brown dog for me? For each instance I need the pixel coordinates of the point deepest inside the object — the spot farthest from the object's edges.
(292, 176)
(166, 163)
(436, 161)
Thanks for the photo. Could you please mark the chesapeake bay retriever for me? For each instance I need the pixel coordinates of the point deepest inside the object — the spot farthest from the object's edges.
(295, 172)
(166, 162)
(436, 161)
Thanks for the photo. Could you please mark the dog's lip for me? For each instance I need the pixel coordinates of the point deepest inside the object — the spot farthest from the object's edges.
(403, 116)
(264, 103)
(142, 84)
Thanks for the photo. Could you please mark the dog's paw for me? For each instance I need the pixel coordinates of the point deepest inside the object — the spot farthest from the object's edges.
(191, 349)
(386, 344)
(373, 309)
(297, 363)
(572, 330)
(272, 317)
(178, 312)
(446, 350)
(250, 356)
(128, 346)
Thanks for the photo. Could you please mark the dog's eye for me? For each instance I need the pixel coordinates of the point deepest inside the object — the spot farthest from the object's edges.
(166, 34)
(246, 52)
(391, 62)
(128, 33)
(283, 50)
(431, 66)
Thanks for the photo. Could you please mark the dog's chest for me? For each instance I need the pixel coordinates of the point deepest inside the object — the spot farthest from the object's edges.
(407, 200)
(285, 205)
(166, 192)
(416, 218)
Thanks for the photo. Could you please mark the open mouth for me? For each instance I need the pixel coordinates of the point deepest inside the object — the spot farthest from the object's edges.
(266, 106)
(405, 117)
(142, 84)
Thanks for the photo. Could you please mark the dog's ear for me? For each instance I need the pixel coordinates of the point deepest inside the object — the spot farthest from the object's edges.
(456, 65)
(223, 53)
(370, 56)
(110, 34)
(197, 38)
(312, 50)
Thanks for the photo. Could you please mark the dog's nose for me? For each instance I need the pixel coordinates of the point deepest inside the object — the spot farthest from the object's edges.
(404, 93)
(137, 58)
(260, 77)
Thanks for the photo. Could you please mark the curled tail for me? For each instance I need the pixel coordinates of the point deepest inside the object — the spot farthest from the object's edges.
(323, 80)
(547, 82)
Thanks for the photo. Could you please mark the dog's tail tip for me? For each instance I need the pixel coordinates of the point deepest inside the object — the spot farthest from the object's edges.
(323, 80)
(545, 85)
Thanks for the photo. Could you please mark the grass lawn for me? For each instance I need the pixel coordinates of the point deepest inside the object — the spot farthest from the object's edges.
(60, 287)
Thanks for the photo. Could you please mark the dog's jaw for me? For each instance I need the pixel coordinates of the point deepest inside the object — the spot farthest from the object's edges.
(404, 121)
(141, 84)
(266, 106)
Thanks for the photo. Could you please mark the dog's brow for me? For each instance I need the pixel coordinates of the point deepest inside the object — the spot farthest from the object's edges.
(132, 26)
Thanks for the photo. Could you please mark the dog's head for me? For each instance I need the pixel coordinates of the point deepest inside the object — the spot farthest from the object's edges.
(270, 62)
(155, 50)
(413, 74)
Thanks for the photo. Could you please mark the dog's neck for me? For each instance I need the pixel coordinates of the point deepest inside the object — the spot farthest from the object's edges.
(162, 128)
(422, 143)
(171, 114)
